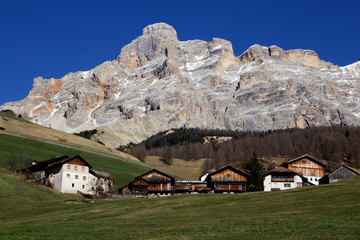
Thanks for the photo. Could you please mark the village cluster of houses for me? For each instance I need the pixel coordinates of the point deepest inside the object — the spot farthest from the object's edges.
(74, 175)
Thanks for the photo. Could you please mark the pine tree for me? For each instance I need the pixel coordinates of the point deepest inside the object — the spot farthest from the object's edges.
(256, 170)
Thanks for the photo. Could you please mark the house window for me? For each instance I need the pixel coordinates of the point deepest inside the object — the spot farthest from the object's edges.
(83, 169)
(83, 186)
(76, 167)
(73, 185)
(76, 177)
(286, 184)
(68, 175)
(84, 178)
(68, 167)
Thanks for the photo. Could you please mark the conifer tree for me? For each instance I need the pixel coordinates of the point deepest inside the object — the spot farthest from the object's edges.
(256, 170)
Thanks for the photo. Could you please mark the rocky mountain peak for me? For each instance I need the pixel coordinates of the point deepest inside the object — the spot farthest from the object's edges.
(158, 83)
(158, 41)
(306, 57)
(160, 28)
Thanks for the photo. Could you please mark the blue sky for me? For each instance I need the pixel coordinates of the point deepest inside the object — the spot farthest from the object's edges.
(52, 38)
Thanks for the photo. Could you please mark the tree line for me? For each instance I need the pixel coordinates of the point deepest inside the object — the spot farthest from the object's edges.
(334, 144)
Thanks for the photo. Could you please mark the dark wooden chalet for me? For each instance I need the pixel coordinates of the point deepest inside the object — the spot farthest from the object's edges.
(151, 182)
(342, 172)
(308, 166)
(227, 179)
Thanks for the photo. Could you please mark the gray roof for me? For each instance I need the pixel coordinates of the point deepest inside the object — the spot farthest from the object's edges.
(101, 174)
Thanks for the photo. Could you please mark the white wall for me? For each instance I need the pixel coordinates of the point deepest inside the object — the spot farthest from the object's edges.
(313, 179)
(67, 182)
(268, 184)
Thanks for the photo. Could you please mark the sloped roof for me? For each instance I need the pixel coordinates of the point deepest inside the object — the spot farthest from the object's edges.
(357, 172)
(207, 173)
(172, 179)
(101, 174)
(281, 169)
(308, 157)
(43, 165)
(130, 183)
(230, 168)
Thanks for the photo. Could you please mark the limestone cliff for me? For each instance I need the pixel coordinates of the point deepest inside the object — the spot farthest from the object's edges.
(158, 82)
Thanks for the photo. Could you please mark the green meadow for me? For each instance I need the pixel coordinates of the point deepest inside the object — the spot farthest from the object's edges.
(122, 169)
(30, 211)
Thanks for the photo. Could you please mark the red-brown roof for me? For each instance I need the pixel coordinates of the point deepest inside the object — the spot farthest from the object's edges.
(283, 169)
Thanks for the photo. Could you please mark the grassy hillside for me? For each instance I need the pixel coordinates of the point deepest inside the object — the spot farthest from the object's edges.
(40, 143)
(29, 211)
(123, 169)
(18, 126)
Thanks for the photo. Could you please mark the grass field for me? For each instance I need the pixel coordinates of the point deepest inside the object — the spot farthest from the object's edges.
(124, 170)
(29, 211)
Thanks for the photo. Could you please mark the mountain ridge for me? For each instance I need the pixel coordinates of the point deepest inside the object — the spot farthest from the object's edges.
(158, 82)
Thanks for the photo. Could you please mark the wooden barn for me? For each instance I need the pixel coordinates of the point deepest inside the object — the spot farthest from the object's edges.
(342, 172)
(308, 166)
(227, 179)
(151, 182)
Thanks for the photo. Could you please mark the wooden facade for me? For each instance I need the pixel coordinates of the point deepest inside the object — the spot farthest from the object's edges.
(227, 179)
(191, 187)
(151, 182)
(308, 166)
(342, 172)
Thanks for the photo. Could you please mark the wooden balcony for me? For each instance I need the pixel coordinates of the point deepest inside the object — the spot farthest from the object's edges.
(282, 179)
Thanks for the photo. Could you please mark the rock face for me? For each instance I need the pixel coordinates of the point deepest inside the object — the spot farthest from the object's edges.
(158, 82)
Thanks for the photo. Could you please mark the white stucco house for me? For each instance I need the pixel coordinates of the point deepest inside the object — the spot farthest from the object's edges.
(282, 178)
(67, 175)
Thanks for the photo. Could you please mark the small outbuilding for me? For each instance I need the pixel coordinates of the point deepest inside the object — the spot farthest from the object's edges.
(105, 182)
(342, 172)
